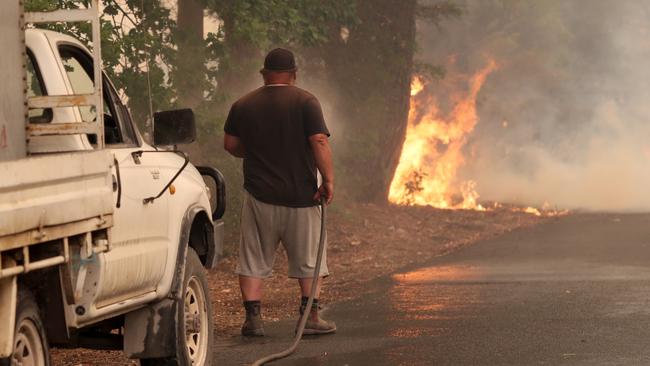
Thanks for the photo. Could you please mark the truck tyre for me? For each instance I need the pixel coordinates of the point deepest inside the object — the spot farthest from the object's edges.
(30, 342)
(196, 338)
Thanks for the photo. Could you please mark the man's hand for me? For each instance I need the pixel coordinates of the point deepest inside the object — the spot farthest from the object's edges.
(326, 190)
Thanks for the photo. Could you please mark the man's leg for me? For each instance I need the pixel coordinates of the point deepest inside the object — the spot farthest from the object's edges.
(315, 324)
(251, 288)
(301, 239)
(259, 240)
(251, 293)
(305, 289)
(305, 286)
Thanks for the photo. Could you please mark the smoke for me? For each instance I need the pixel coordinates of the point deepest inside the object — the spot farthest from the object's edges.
(564, 120)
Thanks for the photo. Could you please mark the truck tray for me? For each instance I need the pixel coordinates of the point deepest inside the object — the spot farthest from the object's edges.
(48, 194)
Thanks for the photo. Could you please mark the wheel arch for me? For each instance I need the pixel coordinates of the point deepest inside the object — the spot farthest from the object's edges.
(19, 298)
(44, 288)
(151, 332)
(201, 238)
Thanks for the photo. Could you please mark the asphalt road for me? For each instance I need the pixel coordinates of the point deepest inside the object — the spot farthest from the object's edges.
(575, 291)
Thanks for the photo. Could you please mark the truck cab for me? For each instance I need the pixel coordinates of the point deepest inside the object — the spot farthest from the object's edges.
(134, 278)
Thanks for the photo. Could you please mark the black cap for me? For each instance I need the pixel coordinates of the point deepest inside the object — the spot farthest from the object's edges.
(279, 59)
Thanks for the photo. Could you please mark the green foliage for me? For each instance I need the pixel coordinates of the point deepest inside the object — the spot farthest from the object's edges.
(437, 12)
(139, 35)
(264, 23)
(134, 39)
(250, 28)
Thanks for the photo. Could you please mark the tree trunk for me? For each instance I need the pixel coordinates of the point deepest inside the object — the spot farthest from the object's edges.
(243, 59)
(190, 71)
(372, 70)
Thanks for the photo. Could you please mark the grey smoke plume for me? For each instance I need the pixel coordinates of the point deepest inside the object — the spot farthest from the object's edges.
(564, 119)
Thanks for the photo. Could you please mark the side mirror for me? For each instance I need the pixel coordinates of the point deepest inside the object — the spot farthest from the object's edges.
(174, 127)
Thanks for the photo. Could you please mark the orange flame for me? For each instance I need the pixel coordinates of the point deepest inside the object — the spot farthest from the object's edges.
(432, 151)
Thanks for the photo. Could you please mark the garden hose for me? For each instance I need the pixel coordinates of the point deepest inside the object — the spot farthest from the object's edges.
(305, 314)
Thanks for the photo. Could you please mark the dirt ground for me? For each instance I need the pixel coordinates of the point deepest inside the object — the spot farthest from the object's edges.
(365, 242)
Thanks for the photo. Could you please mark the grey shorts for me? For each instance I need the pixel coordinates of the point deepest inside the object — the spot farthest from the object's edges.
(265, 226)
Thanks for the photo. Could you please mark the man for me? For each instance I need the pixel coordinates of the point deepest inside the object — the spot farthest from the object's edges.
(280, 133)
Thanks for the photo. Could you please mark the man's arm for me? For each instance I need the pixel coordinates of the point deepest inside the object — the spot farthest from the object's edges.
(323, 156)
(234, 146)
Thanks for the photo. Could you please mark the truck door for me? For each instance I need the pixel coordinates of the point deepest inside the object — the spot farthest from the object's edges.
(139, 238)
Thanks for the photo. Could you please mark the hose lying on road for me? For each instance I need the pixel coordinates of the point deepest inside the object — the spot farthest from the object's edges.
(305, 314)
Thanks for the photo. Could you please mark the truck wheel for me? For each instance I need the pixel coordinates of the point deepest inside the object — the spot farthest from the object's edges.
(196, 337)
(30, 342)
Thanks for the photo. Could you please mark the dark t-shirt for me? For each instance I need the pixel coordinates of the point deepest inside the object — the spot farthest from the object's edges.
(274, 124)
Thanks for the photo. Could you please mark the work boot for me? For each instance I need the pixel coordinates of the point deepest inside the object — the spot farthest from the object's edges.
(315, 324)
(253, 325)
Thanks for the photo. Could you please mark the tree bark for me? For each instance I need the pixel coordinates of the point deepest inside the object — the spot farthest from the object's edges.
(243, 60)
(190, 71)
(372, 71)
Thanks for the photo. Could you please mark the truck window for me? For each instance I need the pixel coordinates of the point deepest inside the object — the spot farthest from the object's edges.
(36, 88)
(78, 66)
(81, 83)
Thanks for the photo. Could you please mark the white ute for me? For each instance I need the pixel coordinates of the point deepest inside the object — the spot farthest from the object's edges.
(104, 239)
